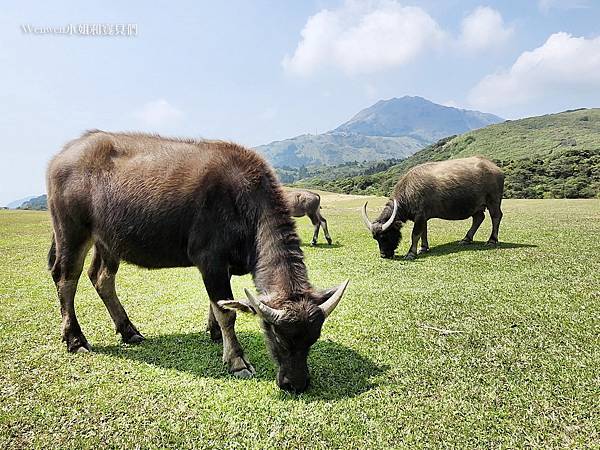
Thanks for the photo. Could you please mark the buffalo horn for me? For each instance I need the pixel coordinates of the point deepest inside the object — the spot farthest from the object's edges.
(365, 218)
(390, 221)
(267, 313)
(328, 306)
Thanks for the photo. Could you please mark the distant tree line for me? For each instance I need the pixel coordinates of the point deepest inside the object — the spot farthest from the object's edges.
(289, 175)
(574, 173)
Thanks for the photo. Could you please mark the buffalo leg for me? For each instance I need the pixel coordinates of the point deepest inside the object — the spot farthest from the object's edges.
(212, 326)
(317, 223)
(219, 288)
(496, 215)
(417, 230)
(102, 274)
(325, 230)
(66, 270)
(424, 241)
(477, 220)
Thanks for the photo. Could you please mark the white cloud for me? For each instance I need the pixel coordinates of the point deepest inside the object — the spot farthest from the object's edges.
(362, 37)
(547, 5)
(158, 113)
(562, 67)
(484, 28)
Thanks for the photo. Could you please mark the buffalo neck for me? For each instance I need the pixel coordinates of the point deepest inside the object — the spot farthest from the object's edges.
(279, 270)
(402, 215)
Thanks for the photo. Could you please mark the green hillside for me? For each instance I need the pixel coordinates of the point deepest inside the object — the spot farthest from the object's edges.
(337, 148)
(36, 203)
(289, 175)
(552, 156)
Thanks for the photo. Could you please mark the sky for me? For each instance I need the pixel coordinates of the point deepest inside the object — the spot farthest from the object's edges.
(259, 71)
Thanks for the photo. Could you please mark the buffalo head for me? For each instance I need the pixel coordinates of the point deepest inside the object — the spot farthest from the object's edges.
(291, 330)
(387, 234)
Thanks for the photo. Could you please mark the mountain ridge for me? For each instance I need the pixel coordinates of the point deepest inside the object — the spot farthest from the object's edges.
(462, 120)
(16, 203)
(392, 128)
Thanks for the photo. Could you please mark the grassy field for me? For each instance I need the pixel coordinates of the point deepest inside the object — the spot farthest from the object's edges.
(521, 369)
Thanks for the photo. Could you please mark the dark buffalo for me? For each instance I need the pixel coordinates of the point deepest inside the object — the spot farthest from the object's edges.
(453, 190)
(159, 202)
(307, 203)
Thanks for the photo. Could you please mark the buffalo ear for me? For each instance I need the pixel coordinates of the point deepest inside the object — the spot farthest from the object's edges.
(332, 297)
(324, 294)
(239, 305)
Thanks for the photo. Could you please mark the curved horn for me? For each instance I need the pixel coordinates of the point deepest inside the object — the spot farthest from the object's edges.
(333, 301)
(390, 221)
(267, 313)
(365, 218)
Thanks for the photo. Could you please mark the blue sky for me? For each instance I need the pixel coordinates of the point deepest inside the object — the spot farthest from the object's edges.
(259, 71)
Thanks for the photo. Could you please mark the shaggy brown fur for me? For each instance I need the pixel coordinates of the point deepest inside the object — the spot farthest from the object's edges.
(307, 203)
(453, 190)
(160, 202)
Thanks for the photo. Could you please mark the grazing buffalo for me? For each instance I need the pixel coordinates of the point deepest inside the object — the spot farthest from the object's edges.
(453, 190)
(306, 203)
(158, 202)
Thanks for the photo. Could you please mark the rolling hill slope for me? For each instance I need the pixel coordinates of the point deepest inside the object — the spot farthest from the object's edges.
(337, 148)
(39, 203)
(556, 155)
(16, 203)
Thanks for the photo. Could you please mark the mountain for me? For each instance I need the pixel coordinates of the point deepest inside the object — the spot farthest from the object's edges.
(15, 204)
(394, 128)
(36, 203)
(555, 155)
(415, 117)
(336, 148)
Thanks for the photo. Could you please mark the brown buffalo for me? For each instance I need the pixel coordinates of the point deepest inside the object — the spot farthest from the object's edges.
(307, 203)
(158, 202)
(453, 190)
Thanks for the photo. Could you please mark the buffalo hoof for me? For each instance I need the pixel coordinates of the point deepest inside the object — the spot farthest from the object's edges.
(329, 241)
(78, 344)
(134, 339)
(410, 256)
(491, 243)
(313, 244)
(241, 368)
(130, 334)
(423, 250)
(465, 242)
(244, 374)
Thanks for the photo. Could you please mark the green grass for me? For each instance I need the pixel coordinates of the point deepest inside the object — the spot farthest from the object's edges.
(524, 370)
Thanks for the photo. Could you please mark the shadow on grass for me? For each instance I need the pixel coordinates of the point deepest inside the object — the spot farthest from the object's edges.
(336, 371)
(475, 246)
(321, 245)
